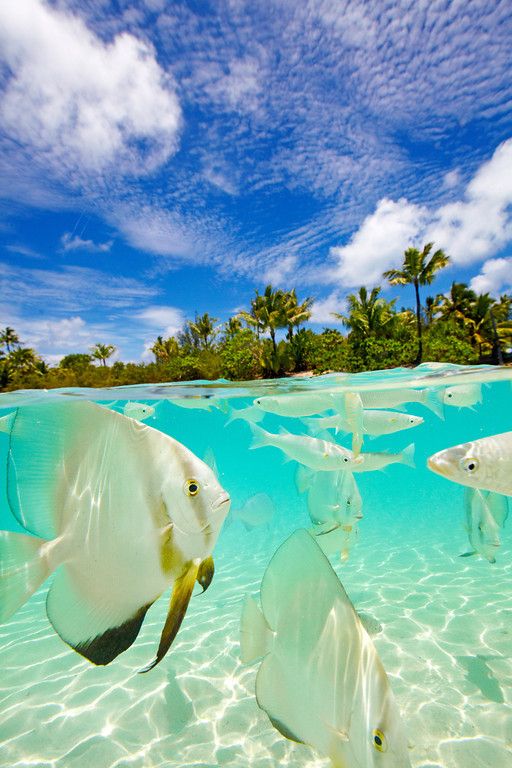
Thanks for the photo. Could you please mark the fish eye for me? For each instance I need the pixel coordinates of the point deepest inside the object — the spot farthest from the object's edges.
(469, 465)
(345, 459)
(192, 487)
(449, 395)
(379, 740)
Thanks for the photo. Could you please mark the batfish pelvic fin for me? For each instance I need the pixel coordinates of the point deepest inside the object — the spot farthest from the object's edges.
(180, 598)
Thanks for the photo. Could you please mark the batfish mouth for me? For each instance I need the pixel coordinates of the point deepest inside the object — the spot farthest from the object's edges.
(224, 499)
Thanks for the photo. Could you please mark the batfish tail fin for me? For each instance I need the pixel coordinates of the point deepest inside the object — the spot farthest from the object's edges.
(434, 402)
(408, 456)
(23, 568)
(255, 634)
(260, 437)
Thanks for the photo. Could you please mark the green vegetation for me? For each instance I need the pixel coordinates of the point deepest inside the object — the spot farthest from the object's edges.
(461, 327)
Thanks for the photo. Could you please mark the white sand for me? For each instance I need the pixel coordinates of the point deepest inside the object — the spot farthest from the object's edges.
(446, 644)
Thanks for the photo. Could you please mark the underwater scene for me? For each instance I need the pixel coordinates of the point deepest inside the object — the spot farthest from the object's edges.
(303, 572)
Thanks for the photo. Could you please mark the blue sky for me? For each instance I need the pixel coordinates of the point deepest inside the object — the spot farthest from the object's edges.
(158, 158)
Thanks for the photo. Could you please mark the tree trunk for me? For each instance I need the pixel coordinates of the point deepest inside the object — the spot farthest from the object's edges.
(419, 354)
(497, 356)
(273, 337)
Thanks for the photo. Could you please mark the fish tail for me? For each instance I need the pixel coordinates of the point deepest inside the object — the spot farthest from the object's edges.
(222, 405)
(23, 568)
(260, 437)
(255, 634)
(408, 456)
(434, 402)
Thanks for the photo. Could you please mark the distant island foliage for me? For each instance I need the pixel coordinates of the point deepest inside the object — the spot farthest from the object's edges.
(462, 327)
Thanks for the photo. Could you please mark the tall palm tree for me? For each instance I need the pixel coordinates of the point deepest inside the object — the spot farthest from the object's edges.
(203, 330)
(102, 352)
(23, 360)
(295, 313)
(368, 315)
(9, 338)
(165, 349)
(267, 313)
(418, 269)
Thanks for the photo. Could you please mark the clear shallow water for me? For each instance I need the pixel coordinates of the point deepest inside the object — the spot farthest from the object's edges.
(446, 642)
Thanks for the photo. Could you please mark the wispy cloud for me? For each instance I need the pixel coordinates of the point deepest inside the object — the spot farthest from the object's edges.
(164, 321)
(23, 250)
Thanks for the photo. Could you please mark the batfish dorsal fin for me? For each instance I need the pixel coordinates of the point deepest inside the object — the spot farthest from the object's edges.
(180, 598)
(96, 630)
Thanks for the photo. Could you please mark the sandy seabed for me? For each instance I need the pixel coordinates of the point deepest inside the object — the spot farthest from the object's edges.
(446, 644)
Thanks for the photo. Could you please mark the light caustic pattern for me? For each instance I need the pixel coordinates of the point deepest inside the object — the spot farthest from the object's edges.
(446, 639)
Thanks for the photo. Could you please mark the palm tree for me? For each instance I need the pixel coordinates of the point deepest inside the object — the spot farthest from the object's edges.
(267, 313)
(295, 313)
(9, 338)
(457, 304)
(232, 327)
(203, 330)
(416, 270)
(432, 308)
(102, 352)
(165, 349)
(23, 360)
(368, 315)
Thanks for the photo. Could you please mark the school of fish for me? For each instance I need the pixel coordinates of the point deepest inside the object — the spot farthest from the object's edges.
(120, 511)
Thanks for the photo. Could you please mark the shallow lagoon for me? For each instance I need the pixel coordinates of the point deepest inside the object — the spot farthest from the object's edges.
(446, 641)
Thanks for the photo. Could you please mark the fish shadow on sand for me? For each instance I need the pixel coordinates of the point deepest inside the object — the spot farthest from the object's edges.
(482, 676)
(178, 706)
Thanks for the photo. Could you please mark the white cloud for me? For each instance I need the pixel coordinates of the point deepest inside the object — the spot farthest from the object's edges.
(164, 233)
(322, 309)
(452, 179)
(167, 321)
(281, 270)
(75, 243)
(480, 225)
(495, 277)
(379, 243)
(84, 105)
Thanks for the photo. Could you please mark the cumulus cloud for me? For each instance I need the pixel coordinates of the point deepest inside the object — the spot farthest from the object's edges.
(495, 277)
(468, 230)
(281, 270)
(75, 243)
(82, 104)
(481, 224)
(322, 309)
(379, 242)
(167, 321)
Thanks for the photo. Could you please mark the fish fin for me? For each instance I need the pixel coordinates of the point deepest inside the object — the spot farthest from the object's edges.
(468, 554)
(408, 456)
(435, 403)
(205, 573)
(283, 430)
(303, 478)
(259, 436)
(23, 568)
(272, 698)
(209, 458)
(6, 422)
(255, 633)
(222, 405)
(180, 598)
(91, 626)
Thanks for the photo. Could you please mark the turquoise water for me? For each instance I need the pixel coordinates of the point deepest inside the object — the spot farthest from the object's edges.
(446, 639)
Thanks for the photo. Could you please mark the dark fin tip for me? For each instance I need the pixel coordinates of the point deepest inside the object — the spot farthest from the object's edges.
(205, 573)
(104, 648)
(283, 730)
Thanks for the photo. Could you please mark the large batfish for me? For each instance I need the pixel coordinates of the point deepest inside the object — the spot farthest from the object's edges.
(121, 510)
(321, 681)
(481, 526)
(485, 463)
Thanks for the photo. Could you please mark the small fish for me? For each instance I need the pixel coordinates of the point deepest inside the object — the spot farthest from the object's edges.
(138, 411)
(391, 398)
(485, 463)
(482, 528)
(250, 413)
(199, 402)
(321, 681)
(121, 510)
(258, 510)
(372, 461)
(298, 405)
(334, 498)
(353, 412)
(375, 423)
(463, 395)
(320, 455)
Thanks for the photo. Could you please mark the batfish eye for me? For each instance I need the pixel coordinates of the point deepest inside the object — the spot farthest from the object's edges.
(192, 487)
(379, 740)
(469, 465)
(449, 395)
